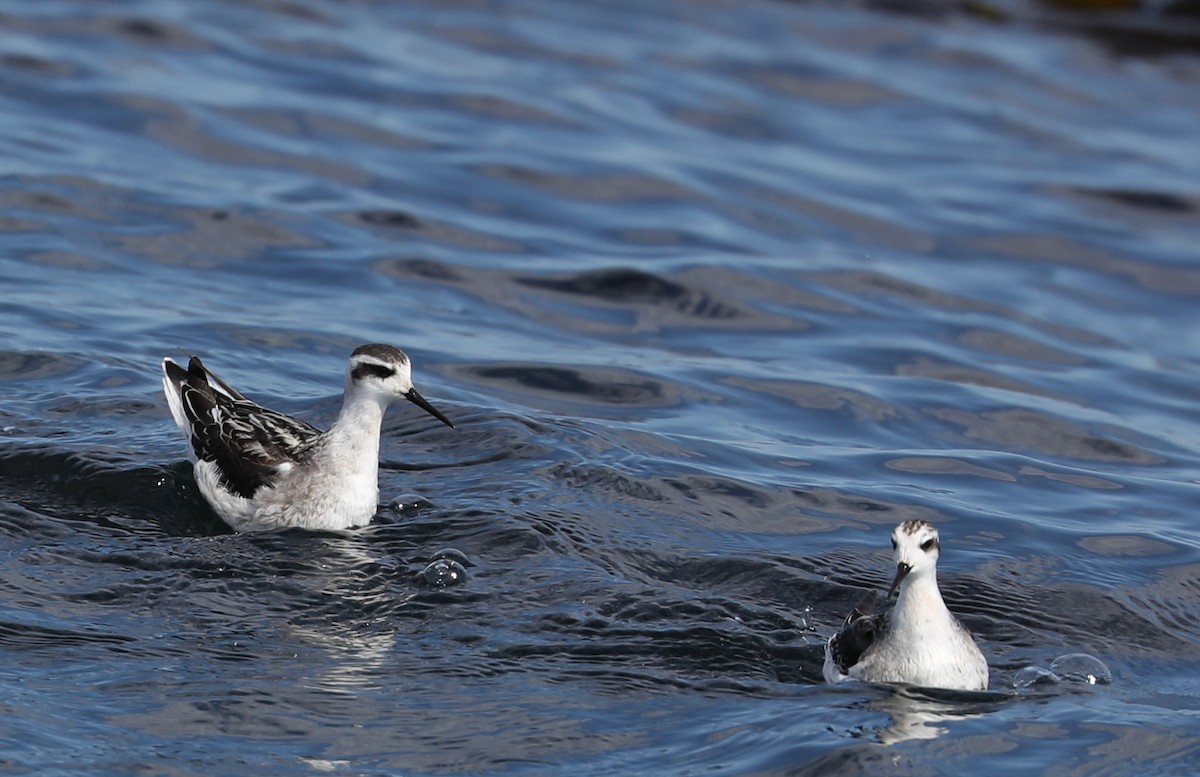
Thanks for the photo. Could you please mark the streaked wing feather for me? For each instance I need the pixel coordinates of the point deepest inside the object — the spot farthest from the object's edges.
(246, 441)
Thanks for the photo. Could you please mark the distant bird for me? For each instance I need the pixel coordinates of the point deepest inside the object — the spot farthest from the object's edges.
(260, 469)
(918, 641)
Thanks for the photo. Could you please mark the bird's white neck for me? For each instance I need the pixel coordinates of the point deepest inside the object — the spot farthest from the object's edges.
(919, 606)
(353, 440)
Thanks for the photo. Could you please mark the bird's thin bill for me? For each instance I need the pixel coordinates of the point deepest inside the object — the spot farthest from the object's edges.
(419, 401)
(901, 571)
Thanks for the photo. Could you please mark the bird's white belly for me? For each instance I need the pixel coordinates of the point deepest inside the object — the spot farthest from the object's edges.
(944, 661)
(320, 506)
(328, 503)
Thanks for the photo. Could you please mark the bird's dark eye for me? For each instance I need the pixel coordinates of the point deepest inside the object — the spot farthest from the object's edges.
(893, 543)
(929, 544)
(361, 371)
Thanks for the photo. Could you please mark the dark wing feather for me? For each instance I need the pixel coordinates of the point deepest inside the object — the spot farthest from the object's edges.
(246, 441)
(857, 635)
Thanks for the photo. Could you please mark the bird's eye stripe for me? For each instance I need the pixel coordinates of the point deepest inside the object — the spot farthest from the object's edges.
(361, 371)
(928, 544)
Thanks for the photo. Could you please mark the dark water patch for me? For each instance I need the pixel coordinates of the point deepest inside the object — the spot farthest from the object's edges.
(819, 396)
(206, 239)
(801, 211)
(813, 85)
(32, 197)
(1172, 600)
(1021, 430)
(293, 10)
(675, 639)
(1170, 279)
(480, 445)
(112, 493)
(867, 510)
(666, 658)
(744, 124)
(510, 42)
(668, 238)
(30, 63)
(580, 385)
(503, 109)
(78, 409)
(1076, 479)
(930, 9)
(714, 490)
(1142, 201)
(12, 224)
(594, 186)
(606, 479)
(1125, 545)
(1140, 35)
(766, 515)
(874, 285)
(946, 465)
(1018, 347)
(317, 126)
(424, 269)
(958, 373)
(1028, 614)
(64, 260)
(32, 637)
(624, 285)
(451, 234)
(488, 536)
(578, 540)
(770, 595)
(37, 366)
(182, 131)
(621, 299)
(390, 218)
(156, 32)
(633, 287)
(57, 206)
(18, 520)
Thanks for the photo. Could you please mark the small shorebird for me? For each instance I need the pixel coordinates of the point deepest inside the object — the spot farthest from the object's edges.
(260, 469)
(918, 641)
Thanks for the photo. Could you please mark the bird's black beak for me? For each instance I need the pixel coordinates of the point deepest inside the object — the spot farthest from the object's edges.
(902, 570)
(419, 401)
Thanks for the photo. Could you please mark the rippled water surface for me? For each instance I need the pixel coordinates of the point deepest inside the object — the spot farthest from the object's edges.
(716, 294)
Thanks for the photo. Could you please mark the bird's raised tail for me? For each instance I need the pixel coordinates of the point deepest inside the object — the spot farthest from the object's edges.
(857, 634)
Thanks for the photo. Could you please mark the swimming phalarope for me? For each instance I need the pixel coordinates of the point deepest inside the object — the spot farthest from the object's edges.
(260, 469)
(918, 641)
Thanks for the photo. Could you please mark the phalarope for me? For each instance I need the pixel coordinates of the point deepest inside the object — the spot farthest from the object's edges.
(260, 469)
(918, 641)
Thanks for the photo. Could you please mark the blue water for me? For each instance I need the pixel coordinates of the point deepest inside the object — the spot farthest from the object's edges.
(716, 294)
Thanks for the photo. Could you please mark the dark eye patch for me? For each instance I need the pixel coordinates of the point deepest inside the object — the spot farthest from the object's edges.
(893, 543)
(361, 371)
(928, 544)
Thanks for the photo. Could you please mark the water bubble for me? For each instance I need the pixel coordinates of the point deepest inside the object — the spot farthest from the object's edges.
(454, 554)
(444, 573)
(409, 504)
(1034, 675)
(1081, 668)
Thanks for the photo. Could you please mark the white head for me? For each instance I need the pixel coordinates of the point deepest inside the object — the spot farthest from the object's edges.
(915, 548)
(384, 372)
